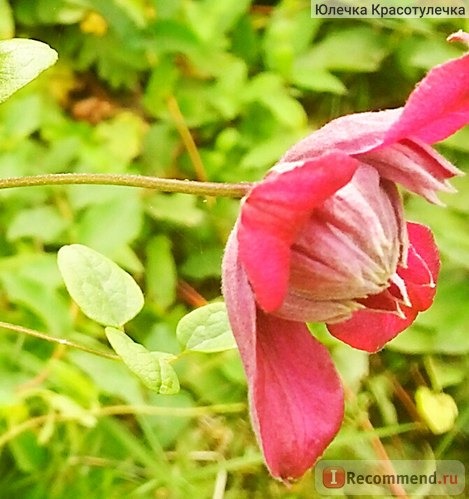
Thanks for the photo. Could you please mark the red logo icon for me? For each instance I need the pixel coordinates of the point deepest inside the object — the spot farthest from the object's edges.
(333, 477)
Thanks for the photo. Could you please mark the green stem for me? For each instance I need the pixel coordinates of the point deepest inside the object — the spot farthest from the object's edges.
(116, 410)
(53, 339)
(162, 184)
(430, 368)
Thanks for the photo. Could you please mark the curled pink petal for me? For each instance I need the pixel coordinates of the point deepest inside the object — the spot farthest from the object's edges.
(408, 161)
(370, 330)
(438, 107)
(274, 212)
(414, 165)
(423, 266)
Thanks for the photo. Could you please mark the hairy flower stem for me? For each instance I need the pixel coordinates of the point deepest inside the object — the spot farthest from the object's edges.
(162, 184)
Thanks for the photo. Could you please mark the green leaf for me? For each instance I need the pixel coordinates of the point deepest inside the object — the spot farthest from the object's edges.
(382, 390)
(268, 89)
(7, 24)
(169, 430)
(317, 80)
(179, 209)
(109, 377)
(225, 95)
(334, 51)
(438, 410)
(152, 368)
(204, 264)
(266, 152)
(423, 53)
(352, 364)
(110, 225)
(206, 329)
(43, 223)
(103, 291)
(39, 297)
(160, 86)
(29, 456)
(122, 135)
(210, 19)
(161, 273)
(288, 34)
(21, 61)
(444, 373)
(22, 116)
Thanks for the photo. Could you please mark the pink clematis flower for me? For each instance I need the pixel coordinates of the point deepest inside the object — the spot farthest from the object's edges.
(323, 238)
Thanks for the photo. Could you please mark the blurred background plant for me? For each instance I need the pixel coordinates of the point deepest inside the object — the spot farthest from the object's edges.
(208, 91)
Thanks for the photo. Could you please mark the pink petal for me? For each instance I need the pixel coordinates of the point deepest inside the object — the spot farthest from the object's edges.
(423, 266)
(353, 134)
(438, 107)
(370, 331)
(296, 398)
(415, 165)
(274, 212)
(296, 395)
(381, 302)
(240, 302)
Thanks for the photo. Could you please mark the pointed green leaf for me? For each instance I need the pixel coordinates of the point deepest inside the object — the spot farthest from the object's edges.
(21, 61)
(206, 329)
(152, 368)
(102, 290)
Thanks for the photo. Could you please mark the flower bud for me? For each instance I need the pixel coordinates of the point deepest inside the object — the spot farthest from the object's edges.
(348, 249)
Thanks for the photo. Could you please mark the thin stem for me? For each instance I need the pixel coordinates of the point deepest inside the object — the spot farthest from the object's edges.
(405, 399)
(41, 376)
(396, 489)
(431, 372)
(182, 412)
(115, 410)
(53, 339)
(187, 138)
(189, 295)
(162, 184)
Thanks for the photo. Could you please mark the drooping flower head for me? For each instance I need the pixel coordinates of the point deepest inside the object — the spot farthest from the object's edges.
(323, 239)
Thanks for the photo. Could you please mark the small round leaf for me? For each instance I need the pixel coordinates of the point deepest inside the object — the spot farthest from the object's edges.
(102, 290)
(206, 329)
(21, 61)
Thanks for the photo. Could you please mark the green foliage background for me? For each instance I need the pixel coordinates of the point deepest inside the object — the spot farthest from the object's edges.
(135, 80)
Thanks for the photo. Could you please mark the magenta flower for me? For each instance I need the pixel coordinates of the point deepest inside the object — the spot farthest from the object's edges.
(323, 238)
